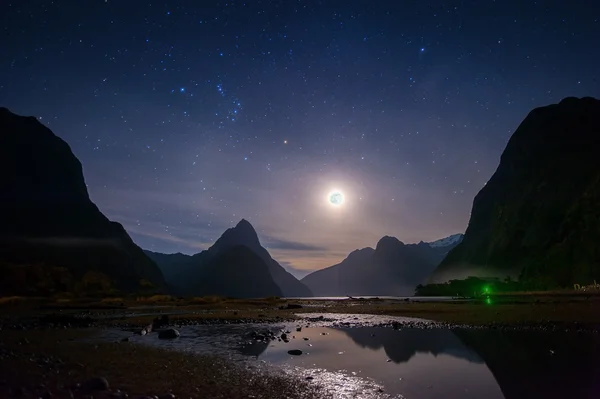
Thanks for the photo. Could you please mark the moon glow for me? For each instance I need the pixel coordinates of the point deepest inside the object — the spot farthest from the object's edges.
(335, 198)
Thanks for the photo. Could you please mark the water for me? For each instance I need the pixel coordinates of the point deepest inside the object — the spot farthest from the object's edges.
(367, 361)
(392, 298)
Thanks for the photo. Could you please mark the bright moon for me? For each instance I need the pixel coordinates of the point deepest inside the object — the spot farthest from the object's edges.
(335, 198)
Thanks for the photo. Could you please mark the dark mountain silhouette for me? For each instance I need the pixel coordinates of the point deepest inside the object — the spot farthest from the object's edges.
(174, 267)
(538, 215)
(392, 268)
(47, 217)
(236, 272)
(183, 271)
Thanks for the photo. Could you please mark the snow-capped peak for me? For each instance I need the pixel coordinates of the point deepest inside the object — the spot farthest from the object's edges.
(454, 239)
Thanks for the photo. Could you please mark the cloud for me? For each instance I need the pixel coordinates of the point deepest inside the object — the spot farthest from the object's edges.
(274, 243)
(298, 273)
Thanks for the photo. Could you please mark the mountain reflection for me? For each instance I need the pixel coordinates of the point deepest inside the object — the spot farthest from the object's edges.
(525, 364)
(402, 345)
(539, 364)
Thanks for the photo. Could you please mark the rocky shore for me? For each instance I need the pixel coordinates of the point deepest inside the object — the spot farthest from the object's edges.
(55, 363)
(48, 353)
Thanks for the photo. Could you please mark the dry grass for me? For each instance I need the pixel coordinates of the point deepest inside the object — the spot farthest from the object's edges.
(111, 300)
(156, 298)
(11, 300)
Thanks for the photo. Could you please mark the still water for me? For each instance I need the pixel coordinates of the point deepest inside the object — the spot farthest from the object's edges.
(369, 361)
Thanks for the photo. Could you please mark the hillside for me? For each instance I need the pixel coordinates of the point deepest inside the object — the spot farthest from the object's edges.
(538, 216)
(392, 268)
(48, 220)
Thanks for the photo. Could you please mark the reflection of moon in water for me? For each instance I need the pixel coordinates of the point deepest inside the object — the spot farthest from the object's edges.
(336, 198)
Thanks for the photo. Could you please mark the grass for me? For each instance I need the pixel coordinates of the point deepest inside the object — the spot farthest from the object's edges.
(10, 300)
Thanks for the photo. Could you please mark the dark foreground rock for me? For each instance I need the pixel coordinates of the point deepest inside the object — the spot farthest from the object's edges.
(170, 333)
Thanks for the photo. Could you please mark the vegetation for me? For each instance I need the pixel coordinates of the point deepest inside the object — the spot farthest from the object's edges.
(471, 287)
(475, 287)
(44, 280)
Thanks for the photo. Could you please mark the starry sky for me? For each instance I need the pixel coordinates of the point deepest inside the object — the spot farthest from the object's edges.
(190, 115)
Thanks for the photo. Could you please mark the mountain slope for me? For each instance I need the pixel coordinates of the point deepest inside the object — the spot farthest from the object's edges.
(538, 215)
(47, 217)
(345, 278)
(237, 272)
(392, 268)
(184, 272)
(244, 234)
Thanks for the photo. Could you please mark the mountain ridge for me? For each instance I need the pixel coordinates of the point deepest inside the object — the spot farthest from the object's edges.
(47, 216)
(369, 271)
(535, 218)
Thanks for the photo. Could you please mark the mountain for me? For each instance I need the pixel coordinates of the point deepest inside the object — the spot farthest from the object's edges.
(184, 271)
(538, 215)
(47, 218)
(454, 239)
(392, 268)
(174, 267)
(237, 272)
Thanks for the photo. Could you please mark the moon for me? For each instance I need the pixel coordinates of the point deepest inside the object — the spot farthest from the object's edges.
(335, 198)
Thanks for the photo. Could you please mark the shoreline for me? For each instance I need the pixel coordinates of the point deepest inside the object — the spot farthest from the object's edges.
(42, 351)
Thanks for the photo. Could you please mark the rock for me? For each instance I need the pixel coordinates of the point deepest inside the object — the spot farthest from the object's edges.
(96, 384)
(170, 333)
(147, 329)
(295, 352)
(298, 329)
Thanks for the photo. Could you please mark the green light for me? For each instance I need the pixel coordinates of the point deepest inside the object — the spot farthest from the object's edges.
(488, 301)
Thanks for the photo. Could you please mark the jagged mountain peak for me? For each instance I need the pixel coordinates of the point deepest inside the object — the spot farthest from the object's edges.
(242, 234)
(388, 242)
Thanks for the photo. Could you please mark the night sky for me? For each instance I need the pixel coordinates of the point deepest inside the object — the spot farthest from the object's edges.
(188, 116)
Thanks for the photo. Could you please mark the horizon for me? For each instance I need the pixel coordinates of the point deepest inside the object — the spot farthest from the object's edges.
(270, 244)
(189, 119)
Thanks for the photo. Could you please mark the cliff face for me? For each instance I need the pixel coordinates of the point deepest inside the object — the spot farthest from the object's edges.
(538, 216)
(46, 215)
